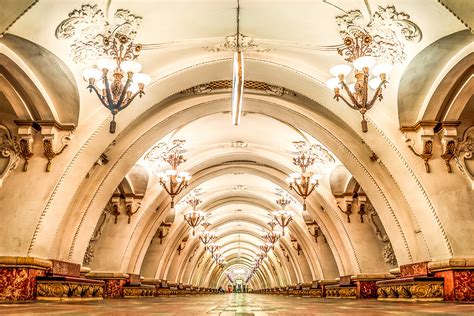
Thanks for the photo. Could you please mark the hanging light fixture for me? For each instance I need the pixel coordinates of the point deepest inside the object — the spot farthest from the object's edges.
(283, 217)
(273, 236)
(116, 77)
(212, 247)
(173, 181)
(304, 182)
(206, 237)
(237, 76)
(266, 247)
(194, 217)
(357, 51)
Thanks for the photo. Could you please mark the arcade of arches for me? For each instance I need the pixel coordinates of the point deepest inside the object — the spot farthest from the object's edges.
(177, 200)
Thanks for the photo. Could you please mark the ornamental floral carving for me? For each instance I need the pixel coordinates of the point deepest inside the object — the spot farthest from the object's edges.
(9, 152)
(388, 28)
(88, 28)
(245, 43)
(463, 154)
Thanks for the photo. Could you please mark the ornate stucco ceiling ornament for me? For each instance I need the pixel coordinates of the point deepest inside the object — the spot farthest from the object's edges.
(387, 28)
(171, 180)
(363, 42)
(110, 47)
(243, 42)
(304, 182)
(222, 85)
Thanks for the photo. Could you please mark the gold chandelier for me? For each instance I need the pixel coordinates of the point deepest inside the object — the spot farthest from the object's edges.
(173, 181)
(357, 51)
(116, 78)
(304, 182)
(206, 237)
(212, 247)
(266, 247)
(283, 217)
(272, 236)
(194, 217)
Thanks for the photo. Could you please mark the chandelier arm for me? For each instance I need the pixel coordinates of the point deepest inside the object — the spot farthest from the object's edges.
(348, 103)
(163, 184)
(93, 87)
(130, 100)
(110, 100)
(122, 95)
(365, 89)
(312, 188)
(179, 188)
(377, 94)
(355, 104)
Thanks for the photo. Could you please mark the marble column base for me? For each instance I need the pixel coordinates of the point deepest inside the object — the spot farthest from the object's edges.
(458, 274)
(114, 283)
(18, 277)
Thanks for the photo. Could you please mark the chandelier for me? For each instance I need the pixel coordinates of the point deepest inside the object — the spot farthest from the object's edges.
(173, 181)
(216, 256)
(266, 247)
(194, 217)
(116, 78)
(304, 182)
(206, 237)
(367, 75)
(283, 217)
(273, 236)
(212, 247)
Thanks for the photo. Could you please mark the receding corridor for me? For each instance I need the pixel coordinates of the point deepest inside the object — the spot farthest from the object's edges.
(236, 157)
(237, 304)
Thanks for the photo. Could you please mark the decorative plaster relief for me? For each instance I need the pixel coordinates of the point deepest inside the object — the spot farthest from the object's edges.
(387, 27)
(463, 154)
(245, 44)
(248, 84)
(88, 28)
(103, 219)
(9, 153)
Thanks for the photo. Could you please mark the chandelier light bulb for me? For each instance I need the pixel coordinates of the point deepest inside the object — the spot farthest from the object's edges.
(91, 73)
(106, 63)
(352, 87)
(100, 84)
(340, 70)
(374, 83)
(171, 172)
(141, 78)
(364, 62)
(131, 66)
(383, 68)
(133, 88)
(332, 83)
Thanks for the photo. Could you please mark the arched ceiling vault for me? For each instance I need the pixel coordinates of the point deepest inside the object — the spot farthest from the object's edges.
(238, 170)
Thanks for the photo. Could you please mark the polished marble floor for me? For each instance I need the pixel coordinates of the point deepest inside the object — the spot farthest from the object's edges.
(235, 304)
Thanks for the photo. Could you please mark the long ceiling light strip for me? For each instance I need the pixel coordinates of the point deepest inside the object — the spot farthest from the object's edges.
(237, 77)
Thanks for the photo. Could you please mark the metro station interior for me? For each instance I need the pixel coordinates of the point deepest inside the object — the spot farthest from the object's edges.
(236, 157)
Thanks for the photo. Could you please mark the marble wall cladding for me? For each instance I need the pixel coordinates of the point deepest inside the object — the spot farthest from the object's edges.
(366, 289)
(414, 269)
(458, 284)
(113, 288)
(65, 268)
(18, 284)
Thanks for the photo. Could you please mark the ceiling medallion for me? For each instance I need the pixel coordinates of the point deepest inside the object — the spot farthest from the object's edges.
(87, 27)
(387, 28)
